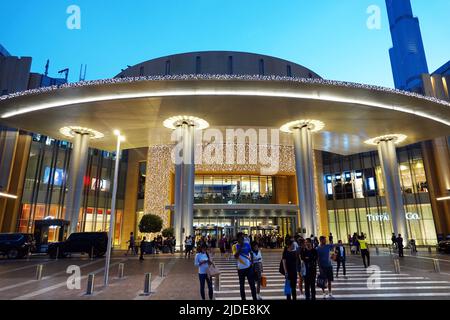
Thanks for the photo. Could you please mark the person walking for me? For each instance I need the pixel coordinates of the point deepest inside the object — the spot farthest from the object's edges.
(188, 247)
(290, 262)
(203, 262)
(242, 254)
(222, 246)
(364, 251)
(309, 257)
(301, 265)
(394, 241)
(325, 266)
(141, 257)
(340, 258)
(258, 267)
(400, 245)
(131, 244)
(330, 238)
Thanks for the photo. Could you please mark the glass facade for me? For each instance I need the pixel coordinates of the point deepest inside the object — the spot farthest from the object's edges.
(45, 187)
(233, 189)
(355, 196)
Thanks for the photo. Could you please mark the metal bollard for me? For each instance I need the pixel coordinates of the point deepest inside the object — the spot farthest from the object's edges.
(161, 270)
(377, 251)
(39, 269)
(397, 265)
(92, 253)
(429, 249)
(121, 268)
(437, 267)
(147, 284)
(57, 253)
(217, 283)
(90, 284)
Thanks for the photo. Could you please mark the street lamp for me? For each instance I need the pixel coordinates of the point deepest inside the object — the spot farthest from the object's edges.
(120, 138)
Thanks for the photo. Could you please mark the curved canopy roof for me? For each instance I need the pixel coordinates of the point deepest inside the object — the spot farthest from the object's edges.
(352, 113)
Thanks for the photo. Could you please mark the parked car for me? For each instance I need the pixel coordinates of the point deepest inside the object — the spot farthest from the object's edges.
(15, 245)
(92, 243)
(444, 246)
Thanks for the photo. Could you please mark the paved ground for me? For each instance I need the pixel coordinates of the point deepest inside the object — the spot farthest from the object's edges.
(417, 279)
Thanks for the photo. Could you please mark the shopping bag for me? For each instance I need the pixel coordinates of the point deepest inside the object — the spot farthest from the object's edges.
(303, 269)
(287, 287)
(321, 282)
(263, 281)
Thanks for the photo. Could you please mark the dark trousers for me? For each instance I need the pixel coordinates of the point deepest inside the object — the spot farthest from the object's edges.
(293, 282)
(203, 278)
(250, 275)
(339, 261)
(365, 254)
(310, 285)
(400, 251)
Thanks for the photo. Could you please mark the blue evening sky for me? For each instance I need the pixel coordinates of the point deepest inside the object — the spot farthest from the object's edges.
(328, 36)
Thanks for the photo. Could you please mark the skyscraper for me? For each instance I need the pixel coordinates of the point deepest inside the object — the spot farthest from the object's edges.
(407, 55)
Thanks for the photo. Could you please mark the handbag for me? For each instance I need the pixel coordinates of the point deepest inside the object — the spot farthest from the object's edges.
(334, 256)
(212, 271)
(263, 281)
(287, 287)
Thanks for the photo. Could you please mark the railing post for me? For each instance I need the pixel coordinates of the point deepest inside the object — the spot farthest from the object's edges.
(39, 269)
(147, 284)
(397, 265)
(90, 284)
(217, 283)
(121, 268)
(437, 267)
(161, 270)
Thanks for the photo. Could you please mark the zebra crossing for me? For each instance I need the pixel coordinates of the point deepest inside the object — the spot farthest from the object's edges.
(357, 285)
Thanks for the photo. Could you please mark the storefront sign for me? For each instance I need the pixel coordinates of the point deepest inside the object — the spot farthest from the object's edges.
(385, 216)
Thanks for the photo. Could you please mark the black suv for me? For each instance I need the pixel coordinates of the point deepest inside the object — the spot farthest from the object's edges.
(15, 245)
(92, 243)
(444, 246)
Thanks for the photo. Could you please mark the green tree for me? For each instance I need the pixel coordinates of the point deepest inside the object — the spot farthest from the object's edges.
(150, 223)
(167, 232)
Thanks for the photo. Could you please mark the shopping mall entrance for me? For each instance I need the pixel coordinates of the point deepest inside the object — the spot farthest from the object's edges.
(226, 220)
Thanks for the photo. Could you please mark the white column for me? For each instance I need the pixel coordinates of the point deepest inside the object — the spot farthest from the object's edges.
(77, 170)
(392, 187)
(112, 218)
(188, 179)
(305, 178)
(178, 211)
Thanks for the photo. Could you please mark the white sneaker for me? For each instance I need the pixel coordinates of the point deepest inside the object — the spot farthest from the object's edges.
(324, 295)
(330, 296)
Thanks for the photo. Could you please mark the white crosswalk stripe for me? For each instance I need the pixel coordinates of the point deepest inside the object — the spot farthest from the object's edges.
(357, 284)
